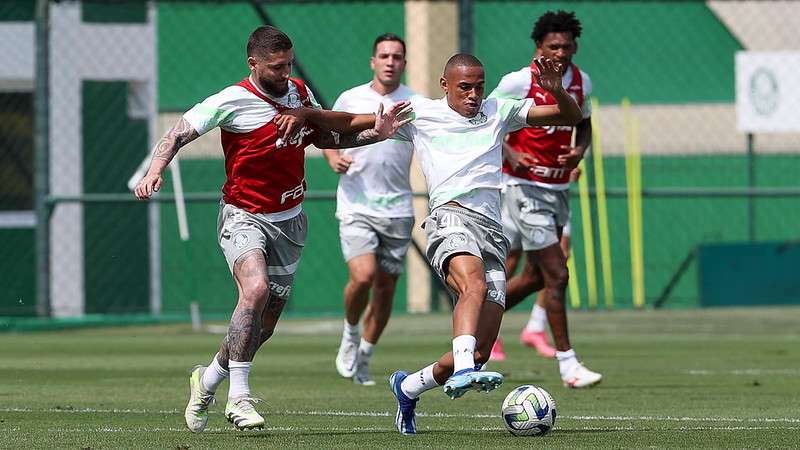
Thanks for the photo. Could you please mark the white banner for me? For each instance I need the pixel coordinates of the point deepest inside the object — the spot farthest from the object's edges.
(768, 91)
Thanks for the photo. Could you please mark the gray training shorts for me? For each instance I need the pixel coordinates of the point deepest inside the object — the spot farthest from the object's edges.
(533, 214)
(452, 230)
(387, 238)
(240, 231)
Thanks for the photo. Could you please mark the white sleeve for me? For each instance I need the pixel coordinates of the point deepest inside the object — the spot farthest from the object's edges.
(586, 108)
(514, 85)
(515, 112)
(341, 103)
(405, 133)
(312, 99)
(214, 111)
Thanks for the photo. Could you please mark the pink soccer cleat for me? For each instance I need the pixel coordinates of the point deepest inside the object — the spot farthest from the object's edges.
(497, 353)
(537, 340)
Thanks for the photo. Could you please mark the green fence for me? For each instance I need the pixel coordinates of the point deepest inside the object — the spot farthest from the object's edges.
(122, 72)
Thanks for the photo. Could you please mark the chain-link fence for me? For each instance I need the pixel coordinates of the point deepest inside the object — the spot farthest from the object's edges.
(116, 75)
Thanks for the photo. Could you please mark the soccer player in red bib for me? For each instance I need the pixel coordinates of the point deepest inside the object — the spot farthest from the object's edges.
(266, 121)
(537, 167)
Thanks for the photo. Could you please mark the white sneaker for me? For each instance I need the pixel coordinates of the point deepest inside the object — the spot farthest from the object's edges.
(346, 358)
(362, 373)
(581, 377)
(242, 414)
(196, 413)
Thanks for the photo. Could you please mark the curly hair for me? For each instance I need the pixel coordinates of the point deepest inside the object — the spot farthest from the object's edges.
(556, 22)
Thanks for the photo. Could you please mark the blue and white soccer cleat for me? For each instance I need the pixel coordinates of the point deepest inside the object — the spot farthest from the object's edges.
(466, 380)
(405, 418)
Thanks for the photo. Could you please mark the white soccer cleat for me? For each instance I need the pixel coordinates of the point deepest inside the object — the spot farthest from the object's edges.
(242, 414)
(581, 377)
(346, 358)
(196, 413)
(362, 374)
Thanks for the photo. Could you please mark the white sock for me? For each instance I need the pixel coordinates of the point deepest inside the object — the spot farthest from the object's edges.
(463, 352)
(214, 375)
(240, 372)
(538, 320)
(350, 332)
(566, 362)
(418, 382)
(365, 351)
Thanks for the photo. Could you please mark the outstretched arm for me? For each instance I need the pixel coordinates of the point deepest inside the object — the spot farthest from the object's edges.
(386, 124)
(340, 122)
(566, 111)
(166, 149)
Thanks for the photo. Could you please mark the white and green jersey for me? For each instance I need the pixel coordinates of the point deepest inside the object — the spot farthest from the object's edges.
(462, 157)
(377, 183)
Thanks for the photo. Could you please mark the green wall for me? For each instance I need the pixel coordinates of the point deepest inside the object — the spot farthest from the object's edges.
(651, 52)
(116, 264)
(202, 47)
(17, 266)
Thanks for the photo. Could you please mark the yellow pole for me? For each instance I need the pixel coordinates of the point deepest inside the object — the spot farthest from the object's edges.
(639, 297)
(574, 291)
(588, 238)
(632, 177)
(602, 207)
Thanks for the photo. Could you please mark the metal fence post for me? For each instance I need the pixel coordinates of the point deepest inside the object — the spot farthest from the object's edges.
(41, 154)
(465, 26)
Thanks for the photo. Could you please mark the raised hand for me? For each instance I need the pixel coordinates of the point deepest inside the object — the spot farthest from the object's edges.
(549, 74)
(387, 123)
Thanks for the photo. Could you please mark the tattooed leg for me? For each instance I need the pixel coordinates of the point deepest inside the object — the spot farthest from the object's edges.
(244, 331)
(270, 318)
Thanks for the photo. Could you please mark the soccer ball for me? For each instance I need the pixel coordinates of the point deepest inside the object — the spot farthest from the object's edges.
(529, 411)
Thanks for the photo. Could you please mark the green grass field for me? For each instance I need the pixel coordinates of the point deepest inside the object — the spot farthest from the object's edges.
(673, 379)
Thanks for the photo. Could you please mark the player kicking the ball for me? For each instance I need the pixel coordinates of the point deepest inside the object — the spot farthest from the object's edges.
(458, 139)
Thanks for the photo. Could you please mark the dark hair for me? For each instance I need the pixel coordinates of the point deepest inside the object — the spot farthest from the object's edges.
(462, 60)
(266, 39)
(388, 37)
(556, 22)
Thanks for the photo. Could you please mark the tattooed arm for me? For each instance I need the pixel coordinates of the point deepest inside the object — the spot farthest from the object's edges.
(386, 124)
(166, 149)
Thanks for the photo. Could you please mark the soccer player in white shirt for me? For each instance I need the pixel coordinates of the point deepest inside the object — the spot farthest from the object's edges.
(375, 211)
(458, 139)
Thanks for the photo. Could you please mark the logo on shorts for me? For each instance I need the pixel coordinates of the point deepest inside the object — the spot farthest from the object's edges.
(538, 235)
(456, 241)
(280, 290)
(240, 240)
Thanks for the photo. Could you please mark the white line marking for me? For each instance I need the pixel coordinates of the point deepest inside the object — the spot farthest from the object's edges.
(420, 414)
(748, 372)
(388, 429)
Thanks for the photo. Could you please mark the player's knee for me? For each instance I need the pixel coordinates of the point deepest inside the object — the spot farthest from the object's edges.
(561, 278)
(363, 278)
(475, 289)
(255, 291)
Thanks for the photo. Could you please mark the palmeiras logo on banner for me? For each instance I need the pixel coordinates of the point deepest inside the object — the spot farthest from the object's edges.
(764, 91)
